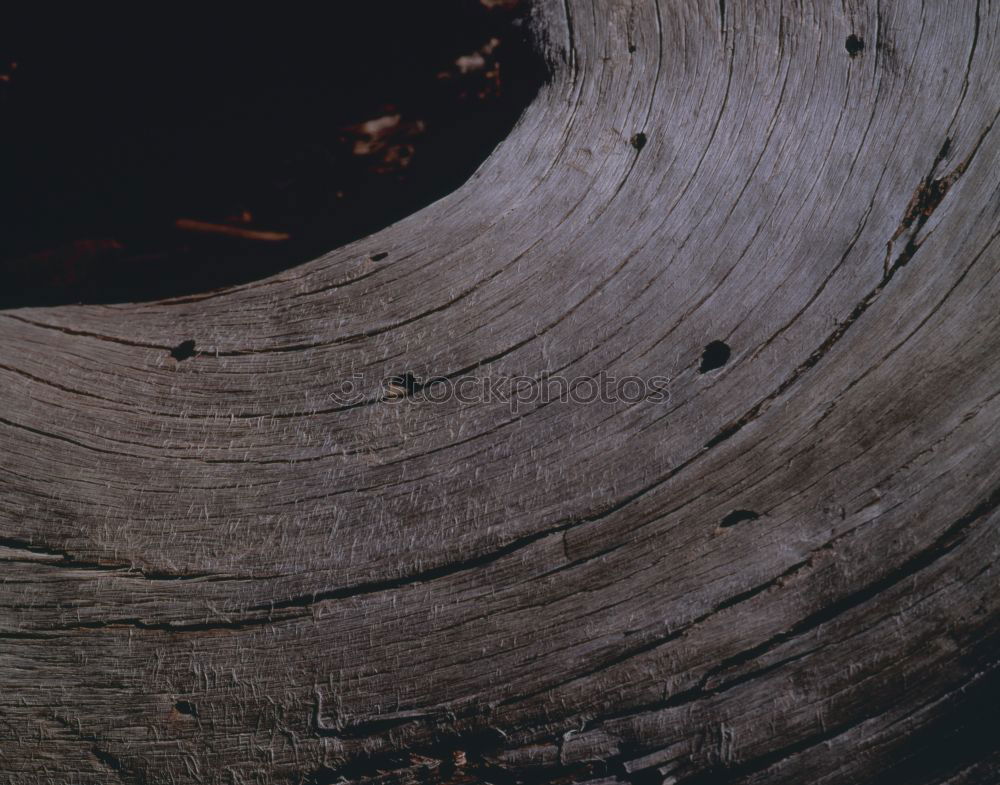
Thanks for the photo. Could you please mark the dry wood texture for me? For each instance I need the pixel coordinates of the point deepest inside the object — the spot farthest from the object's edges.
(214, 573)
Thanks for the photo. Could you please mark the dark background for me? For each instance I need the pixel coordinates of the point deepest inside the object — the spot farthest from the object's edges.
(117, 125)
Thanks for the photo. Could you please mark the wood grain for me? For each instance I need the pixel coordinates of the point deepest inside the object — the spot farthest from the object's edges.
(214, 573)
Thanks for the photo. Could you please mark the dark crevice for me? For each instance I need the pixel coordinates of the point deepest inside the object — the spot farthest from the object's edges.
(638, 141)
(715, 355)
(16, 543)
(854, 45)
(462, 758)
(738, 516)
(105, 758)
(109, 761)
(66, 560)
(641, 776)
(362, 728)
(26, 636)
(358, 768)
(728, 432)
(183, 351)
(925, 200)
(374, 727)
(405, 384)
(453, 755)
(168, 626)
(434, 573)
(186, 707)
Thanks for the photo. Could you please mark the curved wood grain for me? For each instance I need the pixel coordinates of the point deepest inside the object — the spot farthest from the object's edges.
(214, 573)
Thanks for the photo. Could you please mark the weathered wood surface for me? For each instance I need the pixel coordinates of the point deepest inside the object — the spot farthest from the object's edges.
(211, 573)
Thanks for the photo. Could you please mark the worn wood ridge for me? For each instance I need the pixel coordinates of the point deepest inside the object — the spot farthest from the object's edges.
(212, 571)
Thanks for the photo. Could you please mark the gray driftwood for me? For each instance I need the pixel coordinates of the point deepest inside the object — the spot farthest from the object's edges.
(212, 573)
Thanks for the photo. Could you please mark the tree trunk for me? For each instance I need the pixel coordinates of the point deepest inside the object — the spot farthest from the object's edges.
(222, 563)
